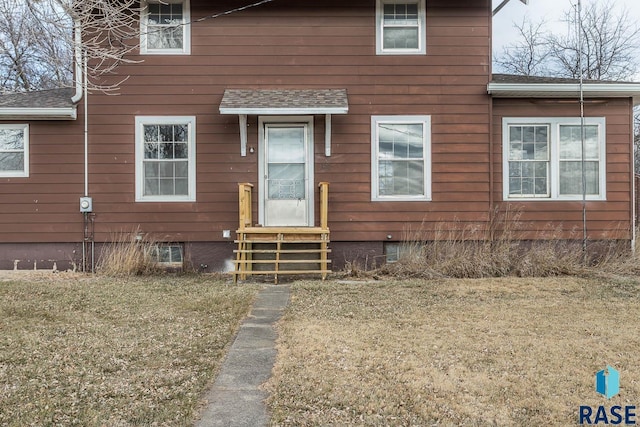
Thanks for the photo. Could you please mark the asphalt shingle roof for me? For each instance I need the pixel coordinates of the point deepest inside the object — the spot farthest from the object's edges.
(52, 98)
(284, 99)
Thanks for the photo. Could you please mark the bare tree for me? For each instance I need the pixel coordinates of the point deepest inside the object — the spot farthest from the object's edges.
(39, 39)
(33, 53)
(609, 42)
(527, 56)
(102, 33)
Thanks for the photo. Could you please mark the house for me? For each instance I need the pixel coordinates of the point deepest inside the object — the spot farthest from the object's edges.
(340, 123)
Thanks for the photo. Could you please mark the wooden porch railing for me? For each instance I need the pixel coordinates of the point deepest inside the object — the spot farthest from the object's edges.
(287, 249)
(245, 190)
(244, 208)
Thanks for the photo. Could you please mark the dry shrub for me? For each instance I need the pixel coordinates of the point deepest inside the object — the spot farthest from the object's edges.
(129, 253)
(459, 251)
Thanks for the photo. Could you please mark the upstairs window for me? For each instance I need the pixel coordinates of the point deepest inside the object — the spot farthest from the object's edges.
(543, 158)
(14, 150)
(400, 27)
(165, 27)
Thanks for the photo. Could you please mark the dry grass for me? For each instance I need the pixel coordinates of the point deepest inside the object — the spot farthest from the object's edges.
(129, 253)
(93, 351)
(495, 249)
(479, 352)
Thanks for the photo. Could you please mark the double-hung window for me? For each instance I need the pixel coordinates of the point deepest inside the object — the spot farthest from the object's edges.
(165, 27)
(400, 27)
(14, 150)
(401, 151)
(165, 159)
(543, 158)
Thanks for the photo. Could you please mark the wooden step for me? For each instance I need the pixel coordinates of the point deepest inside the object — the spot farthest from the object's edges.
(288, 272)
(282, 251)
(281, 261)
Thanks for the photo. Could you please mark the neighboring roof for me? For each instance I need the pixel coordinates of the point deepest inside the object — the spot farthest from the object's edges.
(52, 104)
(284, 101)
(513, 86)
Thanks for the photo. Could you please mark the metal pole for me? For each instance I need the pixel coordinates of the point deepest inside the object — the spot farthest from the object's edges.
(582, 135)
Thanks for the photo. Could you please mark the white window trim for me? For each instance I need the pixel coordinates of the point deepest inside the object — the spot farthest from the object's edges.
(25, 172)
(426, 140)
(422, 25)
(186, 16)
(554, 124)
(163, 120)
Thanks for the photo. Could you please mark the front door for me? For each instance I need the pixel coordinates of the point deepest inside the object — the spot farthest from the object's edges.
(286, 172)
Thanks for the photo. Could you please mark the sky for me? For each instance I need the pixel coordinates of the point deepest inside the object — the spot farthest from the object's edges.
(551, 10)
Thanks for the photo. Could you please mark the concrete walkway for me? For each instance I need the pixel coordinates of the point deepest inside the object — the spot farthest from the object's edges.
(235, 398)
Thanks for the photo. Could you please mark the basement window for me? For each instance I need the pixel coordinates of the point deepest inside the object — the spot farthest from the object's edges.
(168, 255)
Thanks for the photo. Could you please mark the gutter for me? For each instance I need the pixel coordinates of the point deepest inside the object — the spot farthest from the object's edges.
(563, 90)
(66, 113)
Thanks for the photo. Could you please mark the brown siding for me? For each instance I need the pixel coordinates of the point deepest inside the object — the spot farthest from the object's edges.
(286, 44)
(605, 219)
(44, 207)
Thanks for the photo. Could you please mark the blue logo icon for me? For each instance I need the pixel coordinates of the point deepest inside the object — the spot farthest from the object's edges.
(608, 382)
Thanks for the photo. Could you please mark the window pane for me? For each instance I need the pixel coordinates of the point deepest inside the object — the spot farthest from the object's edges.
(181, 133)
(11, 139)
(166, 170)
(286, 181)
(181, 151)
(528, 134)
(181, 169)
(150, 187)
(11, 162)
(166, 187)
(529, 178)
(571, 142)
(401, 178)
(515, 151)
(571, 178)
(151, 151)
(515, 133)
(400, 141)
(286, 145)
(151, 169)
(166, 133)
(176, 254)
(182, 186)
(515, 186)
(150, 133)
(164, 254)
(166, 151)
(400, 38)
(164, 37)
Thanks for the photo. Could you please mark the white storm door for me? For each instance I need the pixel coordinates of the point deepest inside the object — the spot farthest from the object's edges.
(287, 174)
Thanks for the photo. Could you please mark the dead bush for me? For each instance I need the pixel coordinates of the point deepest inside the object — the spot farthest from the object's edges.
(129, 253)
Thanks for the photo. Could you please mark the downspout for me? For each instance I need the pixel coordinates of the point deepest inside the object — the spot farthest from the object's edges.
(77, 47)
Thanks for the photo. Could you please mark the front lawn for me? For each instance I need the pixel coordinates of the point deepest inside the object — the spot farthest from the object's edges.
(94, 351)
(479, 352)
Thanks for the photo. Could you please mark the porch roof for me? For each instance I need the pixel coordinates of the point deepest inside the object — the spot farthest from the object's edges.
(284, 101)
